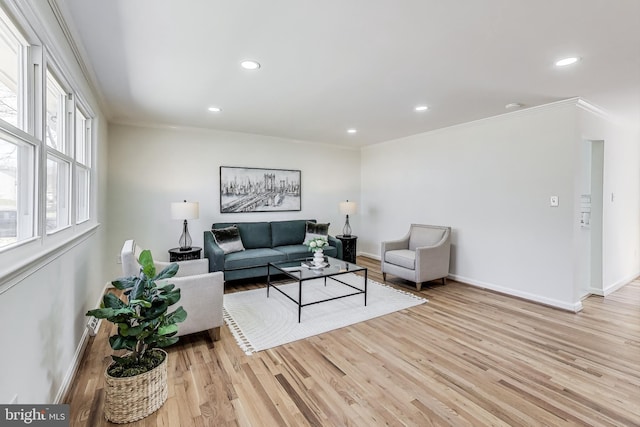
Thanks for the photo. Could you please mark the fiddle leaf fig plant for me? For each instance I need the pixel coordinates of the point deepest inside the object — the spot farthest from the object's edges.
(142, 316)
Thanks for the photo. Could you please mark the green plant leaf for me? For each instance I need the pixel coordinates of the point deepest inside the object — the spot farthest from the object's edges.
(127, 331)
(166, 288)
(118, 342)
(179, 315)
(114, 315)
(171, 297)
(124, 282)
(146, 262)
(168, 271)
(165, 342)
(138, 289)
(168, 329)
(156, 311)
(140, 302)
(112, 301)
(120, 360)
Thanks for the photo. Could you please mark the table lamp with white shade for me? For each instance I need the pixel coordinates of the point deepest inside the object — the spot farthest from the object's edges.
(185, 210)
(347, 208)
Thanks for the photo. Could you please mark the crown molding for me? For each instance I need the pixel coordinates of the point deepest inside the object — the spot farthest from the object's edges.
(77, 49)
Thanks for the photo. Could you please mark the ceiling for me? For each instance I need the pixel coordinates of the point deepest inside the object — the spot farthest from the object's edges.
(327, 66)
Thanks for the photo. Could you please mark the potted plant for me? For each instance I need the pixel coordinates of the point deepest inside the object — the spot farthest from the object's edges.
(316, 244)
(136, 383)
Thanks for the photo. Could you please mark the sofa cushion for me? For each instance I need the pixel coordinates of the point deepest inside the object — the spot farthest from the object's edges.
(252, 258)
(287, 232)
(295, 252)
(228, 239)
(422, 236)
(315, 230)
(402, 258)
(253, 234)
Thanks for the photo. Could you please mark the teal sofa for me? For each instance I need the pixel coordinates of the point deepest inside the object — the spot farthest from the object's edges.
(264, 242)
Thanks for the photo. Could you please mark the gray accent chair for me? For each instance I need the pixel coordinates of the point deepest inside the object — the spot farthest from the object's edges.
(201, 292)
(420, 256)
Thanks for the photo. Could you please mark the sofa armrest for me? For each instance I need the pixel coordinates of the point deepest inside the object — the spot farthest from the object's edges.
(213, 252)
(202, 298)
(337, 243)
(186, 268)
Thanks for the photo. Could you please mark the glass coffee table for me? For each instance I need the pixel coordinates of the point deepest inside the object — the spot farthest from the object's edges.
(303, 270)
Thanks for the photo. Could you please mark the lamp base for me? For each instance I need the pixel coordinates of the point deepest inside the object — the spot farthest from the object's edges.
(346, 230)
(185, 238)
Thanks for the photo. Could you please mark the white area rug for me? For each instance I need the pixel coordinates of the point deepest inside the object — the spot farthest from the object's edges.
(259, 323)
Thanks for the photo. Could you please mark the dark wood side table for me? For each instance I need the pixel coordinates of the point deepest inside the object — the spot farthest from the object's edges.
(176, 254)
(348, 247)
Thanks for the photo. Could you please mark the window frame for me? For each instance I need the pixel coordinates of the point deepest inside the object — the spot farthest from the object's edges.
(64, 153)
(36, 62)
(82, 148)
(22, 67)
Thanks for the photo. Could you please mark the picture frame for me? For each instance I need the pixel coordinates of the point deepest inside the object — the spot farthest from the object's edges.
(248, 189)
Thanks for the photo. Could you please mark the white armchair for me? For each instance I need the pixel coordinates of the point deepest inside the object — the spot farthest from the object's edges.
(201, 292)
(420, 256)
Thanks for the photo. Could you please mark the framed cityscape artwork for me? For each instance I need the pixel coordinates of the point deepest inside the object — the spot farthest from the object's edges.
(259, 190)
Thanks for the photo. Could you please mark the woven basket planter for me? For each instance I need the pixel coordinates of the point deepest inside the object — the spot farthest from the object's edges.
(132, 398)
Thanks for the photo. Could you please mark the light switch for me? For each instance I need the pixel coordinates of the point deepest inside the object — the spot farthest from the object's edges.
(553, 201)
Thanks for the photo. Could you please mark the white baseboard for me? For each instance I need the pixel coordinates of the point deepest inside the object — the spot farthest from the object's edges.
(573, 307)
(368, 255)
(77, 358)
(71, 372)
(594, 291)
(620, 283)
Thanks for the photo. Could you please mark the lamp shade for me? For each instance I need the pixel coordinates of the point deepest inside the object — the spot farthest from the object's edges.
(348, 208)
(185, 210)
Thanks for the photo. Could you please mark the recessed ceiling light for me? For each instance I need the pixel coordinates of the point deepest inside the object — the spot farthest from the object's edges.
(215, 109)
(567, 61)
(250, 64)
(421, 108)
(513, 105)
(352, 130)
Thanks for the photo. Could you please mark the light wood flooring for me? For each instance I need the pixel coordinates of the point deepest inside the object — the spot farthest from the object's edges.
(469, 357)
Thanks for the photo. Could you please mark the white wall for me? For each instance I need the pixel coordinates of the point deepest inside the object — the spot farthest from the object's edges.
(621, 201)
(151, 167)
(490, 181)
(47, 285)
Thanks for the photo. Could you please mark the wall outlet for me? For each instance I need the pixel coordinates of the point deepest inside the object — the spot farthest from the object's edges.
(14, 400)
(554, 201)
(93, 325)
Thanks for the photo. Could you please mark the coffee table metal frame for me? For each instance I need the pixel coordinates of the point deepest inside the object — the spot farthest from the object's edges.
(335, 268)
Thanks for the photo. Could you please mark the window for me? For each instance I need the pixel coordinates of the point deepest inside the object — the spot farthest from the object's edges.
(55, 126)
(83, 139)
(58, 214)
(13, 49)
(83, 160)
(45, 142)
(17, 155)
(57, 201)
(16, 191)
(82, 193)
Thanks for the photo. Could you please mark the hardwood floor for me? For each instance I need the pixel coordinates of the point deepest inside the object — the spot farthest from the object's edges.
(469, 357)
